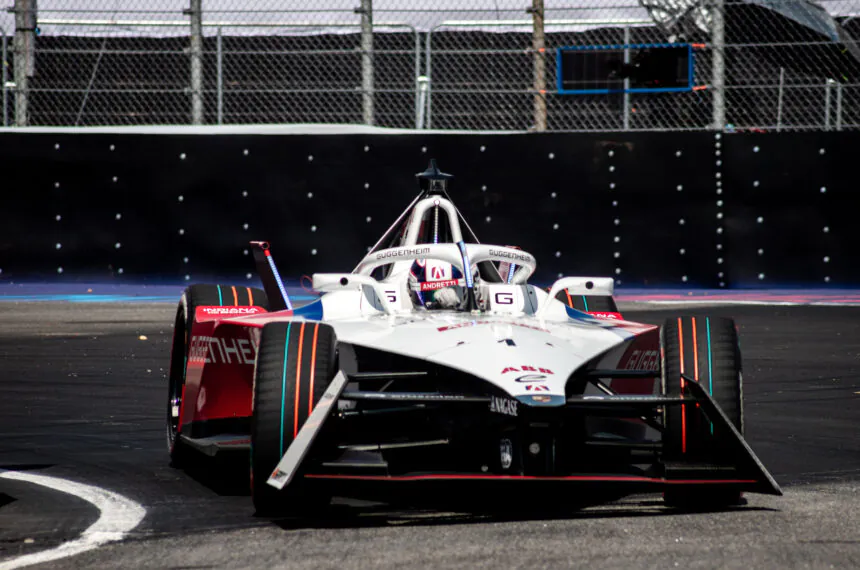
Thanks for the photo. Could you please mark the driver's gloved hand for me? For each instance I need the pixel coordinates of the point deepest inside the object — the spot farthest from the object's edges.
(446, 298)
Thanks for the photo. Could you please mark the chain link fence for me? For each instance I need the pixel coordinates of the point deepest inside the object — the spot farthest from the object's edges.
(441, 64)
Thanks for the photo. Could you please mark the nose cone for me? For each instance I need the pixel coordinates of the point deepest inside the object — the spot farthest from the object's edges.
(528, 362)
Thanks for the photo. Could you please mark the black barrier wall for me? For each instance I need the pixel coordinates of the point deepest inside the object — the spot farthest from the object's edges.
(668, 209)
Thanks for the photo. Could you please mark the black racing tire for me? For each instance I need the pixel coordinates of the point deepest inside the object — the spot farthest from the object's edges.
(193, 297)
(296, 362)
(707, 350)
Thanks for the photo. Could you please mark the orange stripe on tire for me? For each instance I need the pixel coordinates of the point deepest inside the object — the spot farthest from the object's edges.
(298, 381)
(250, 297)
(235, 297)
(569, 300)
(695, 353)
(313, 369)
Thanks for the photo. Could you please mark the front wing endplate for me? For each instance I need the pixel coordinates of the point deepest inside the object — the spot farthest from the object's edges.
(292, 459)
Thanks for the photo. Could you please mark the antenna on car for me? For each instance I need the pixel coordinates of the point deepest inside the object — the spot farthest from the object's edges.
(433, 181)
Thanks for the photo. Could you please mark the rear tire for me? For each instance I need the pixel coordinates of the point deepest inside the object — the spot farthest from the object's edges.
(705, 349)
(193, 297)
(296, 362)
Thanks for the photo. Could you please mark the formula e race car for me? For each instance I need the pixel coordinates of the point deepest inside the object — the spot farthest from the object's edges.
(434, 363)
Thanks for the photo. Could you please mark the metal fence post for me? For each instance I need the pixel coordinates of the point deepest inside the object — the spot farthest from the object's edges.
(779, 99)
(839, 106)
(428, 53)
(538, 48)
(626, 79)
(828, 85)
(423, 88)
(718, 64)
(196, 14)
(25, 44)
(219, 53)
(366, 11)
(417, 76)
(5, 79)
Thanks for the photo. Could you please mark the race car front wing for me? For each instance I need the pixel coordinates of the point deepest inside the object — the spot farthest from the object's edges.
(736, 465)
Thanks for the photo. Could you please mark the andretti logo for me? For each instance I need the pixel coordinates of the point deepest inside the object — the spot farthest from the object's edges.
(220, 350)
(433, 285)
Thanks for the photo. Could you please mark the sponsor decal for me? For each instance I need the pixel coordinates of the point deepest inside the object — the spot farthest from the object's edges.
(610, 316)
(439, 272)
(526, 369)
(229, 311)
(477, 323)
(510, 255)
(433, 285)
(643, 360)
(503, 406)
(542, 398)
(278, 475)
(215, 350)
(404, 252)
(531, 378)
(536, 388)
(506, 453)
(504, 298)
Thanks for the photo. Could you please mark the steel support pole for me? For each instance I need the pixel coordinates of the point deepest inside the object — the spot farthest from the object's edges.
(779, 99)
(423, 88)
(5, 78)
(196, 14)
(839, 106)
(219, 63)
(538, 51)
(25, 45)
(626, 79)
(828, 87)
(428, 53)
(366, 11)
(718, 65)
(417, 76)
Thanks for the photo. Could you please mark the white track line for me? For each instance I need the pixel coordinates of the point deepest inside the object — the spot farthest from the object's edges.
(117, 517)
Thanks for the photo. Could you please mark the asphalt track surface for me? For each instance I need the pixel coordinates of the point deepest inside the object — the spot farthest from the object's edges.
(83, 388)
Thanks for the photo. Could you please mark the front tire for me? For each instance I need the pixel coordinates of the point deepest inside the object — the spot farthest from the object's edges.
(705, 349)
(193, 297)
(296, 362)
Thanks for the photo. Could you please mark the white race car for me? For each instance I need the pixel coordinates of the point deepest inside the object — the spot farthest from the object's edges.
(435, 364)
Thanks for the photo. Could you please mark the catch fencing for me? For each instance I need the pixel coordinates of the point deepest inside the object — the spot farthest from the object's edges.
(440, 64)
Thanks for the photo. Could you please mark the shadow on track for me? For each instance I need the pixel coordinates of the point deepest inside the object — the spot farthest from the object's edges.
(227, 474)
(382, 515)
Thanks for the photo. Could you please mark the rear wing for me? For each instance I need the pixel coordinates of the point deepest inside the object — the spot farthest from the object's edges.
(268, 272)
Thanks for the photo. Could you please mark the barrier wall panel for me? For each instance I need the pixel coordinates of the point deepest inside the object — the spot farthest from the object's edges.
(792, 207)
(167, 206)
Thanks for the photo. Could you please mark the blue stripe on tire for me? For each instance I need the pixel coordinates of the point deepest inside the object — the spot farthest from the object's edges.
(585, 303)
(710, 371)
(220, 298)
(710, 367)
(284, 385)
